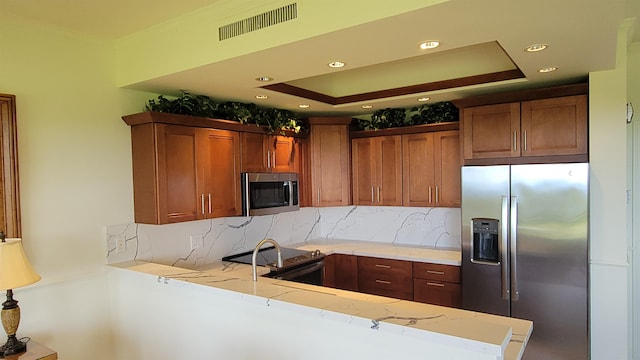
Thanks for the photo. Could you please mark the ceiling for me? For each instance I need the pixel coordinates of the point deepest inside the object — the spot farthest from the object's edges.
(482, 50)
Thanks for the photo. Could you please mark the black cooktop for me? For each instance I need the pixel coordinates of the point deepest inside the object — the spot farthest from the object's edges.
(268, 256)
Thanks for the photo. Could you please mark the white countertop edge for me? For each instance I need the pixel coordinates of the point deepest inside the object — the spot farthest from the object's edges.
(182, 281)
(384, 250)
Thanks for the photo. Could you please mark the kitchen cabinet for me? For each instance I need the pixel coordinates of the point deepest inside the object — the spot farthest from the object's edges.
(268, 153)
(183, 173)
(437, 284)
(540, 127)
(219, 166)
(431, 169)
(341, 272)
(330, 161)
(385, 277)
(377, 170)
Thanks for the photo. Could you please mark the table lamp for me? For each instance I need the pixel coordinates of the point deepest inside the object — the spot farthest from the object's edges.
(15, 272)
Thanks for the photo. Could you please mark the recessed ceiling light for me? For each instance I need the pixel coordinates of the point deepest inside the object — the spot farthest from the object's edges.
(536, 47)
(548, 69)
(423, 99)
(303, 106)
(336, 64)
(261, 97)
(431, 44)
(367, 106)
(264, 78)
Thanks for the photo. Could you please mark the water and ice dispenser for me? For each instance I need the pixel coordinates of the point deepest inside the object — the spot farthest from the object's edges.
(485, 247)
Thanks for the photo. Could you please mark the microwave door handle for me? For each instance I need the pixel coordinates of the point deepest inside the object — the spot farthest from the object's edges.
(247, 202)
(291, 193)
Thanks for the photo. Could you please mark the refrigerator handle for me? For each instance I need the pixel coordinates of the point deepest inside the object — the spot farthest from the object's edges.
(515, 294)
(504, 255)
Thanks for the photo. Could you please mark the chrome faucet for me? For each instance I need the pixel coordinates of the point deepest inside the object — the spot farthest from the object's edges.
(254, 271)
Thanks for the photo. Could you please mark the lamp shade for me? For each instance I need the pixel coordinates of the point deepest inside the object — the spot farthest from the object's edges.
(15, 270)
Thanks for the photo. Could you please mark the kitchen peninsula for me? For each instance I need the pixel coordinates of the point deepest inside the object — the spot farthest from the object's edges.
(438, 331)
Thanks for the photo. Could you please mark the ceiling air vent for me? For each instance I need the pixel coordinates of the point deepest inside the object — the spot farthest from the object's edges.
(276, 16)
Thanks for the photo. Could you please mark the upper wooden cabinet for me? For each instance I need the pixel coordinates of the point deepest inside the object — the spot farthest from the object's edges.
(377, 170)
(268, 153)
(330, 162)
(541, 127)
(219, 170)
(181, 173)
(431, 169)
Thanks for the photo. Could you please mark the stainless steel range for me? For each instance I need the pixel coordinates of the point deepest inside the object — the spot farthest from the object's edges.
(297, 265)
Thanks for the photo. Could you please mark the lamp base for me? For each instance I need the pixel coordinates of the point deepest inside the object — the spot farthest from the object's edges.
(12, 346)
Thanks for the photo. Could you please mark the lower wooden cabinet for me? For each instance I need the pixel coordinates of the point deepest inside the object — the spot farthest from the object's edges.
(407, 280)
(385, 277)
(437, 284)
(341, 272)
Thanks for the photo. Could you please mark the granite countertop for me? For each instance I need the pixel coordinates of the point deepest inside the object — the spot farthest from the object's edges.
(383, 250)
(476, 331)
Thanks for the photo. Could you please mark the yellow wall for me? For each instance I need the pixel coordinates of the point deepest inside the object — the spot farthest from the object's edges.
(74, 174)
(193, 38)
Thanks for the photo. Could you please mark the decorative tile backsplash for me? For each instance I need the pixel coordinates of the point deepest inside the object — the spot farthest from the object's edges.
(203, 242)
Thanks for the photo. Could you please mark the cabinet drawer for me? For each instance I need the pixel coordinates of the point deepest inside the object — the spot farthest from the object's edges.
(437, 293)
(392, 278)
(384, 266)
(438, 272)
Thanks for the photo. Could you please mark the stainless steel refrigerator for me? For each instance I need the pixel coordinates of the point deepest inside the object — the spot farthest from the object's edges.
(525, 251)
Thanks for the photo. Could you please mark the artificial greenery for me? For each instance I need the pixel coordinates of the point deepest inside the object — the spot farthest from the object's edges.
(276, 120)
(397, 117)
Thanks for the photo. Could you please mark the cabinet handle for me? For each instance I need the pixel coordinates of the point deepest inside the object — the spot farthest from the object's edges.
(524, 141)
(372, 200)
(383, 282)
(429, 194)
(202, 203)
(435, 272)
(435, 284)
(209, 203)
(437, 197)
(515, 141)
(274, 160)
(268, 159)
(383, 266)
(318, 197)
(378, 194)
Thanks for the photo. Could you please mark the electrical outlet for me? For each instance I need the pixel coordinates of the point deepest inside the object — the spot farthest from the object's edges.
(196, 241)
(121, 244)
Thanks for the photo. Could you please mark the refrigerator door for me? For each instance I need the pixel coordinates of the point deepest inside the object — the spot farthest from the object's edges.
(549, 270)
(485, 194)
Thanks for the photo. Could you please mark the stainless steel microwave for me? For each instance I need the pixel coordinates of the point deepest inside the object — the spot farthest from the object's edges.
(269, 193)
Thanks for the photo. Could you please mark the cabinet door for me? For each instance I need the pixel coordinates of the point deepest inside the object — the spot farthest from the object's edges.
(219, 164)
(283, 154)
(447, 169)
(362, 155)
(330, 165)
(418, 169)
(341, 272)
(556, 126)
(254, 152)
(177, 176)
(377, 170)
(491, 131)
(388, 170)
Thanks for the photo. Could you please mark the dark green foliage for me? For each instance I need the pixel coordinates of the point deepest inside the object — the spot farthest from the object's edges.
(435, 113)
(398, 117)
(200, 105)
